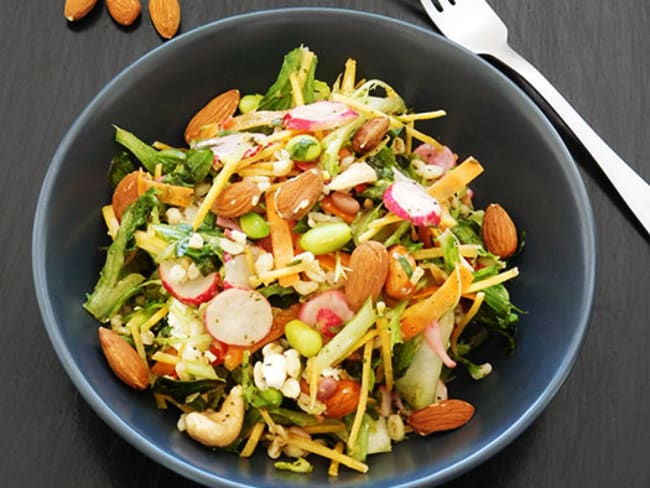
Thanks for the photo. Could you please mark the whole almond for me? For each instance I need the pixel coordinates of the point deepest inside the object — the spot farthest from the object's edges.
(77, 9)
(215, 111)
(236, 199)
(123, 359)
(124, 12)
(370, 134)
(499, 231)
(368, 270)
(165, 16)
(295, 197)
(440, 416)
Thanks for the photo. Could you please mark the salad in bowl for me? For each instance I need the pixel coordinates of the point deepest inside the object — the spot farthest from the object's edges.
(305, 277)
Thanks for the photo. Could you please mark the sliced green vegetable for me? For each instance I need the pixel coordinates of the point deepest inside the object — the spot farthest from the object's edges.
(419, 383)
(121, 165)
(112, 290)
(279, 96)
(352, 332)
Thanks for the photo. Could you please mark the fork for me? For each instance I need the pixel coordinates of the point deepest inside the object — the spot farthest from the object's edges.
(474, 25)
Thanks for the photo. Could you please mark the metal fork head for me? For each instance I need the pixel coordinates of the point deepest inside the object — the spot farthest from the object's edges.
(471, 23)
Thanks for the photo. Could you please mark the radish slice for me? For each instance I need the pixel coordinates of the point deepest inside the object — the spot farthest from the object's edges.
(173, 274)
(238, 317)
(233, 146)
(333, 301)
(318, 116)
(237, 273)
(432, 336)
(410, 201)
(438, 156)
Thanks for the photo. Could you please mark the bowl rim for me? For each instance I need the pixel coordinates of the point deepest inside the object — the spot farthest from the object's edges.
(169, 461)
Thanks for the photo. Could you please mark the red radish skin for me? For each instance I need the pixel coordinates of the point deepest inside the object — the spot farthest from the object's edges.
(410, 201)
(191, 292)
(438, 156)
(238, 317)
(333, 300)
(328, 323)
(318, 116)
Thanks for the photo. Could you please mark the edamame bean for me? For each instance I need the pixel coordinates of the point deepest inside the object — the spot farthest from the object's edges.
(254, 225)
(271, 397)
(248, 103)
(303, 148)
(326, 238)
(303, 338)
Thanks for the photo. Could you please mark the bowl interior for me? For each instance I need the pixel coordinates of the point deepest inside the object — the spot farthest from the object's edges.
(528, 171)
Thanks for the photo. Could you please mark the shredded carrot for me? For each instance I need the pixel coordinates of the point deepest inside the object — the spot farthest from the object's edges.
(296, 89)
(363, 396)
(328, 261)
(458, 330)
(349, 75)
(324, 428)
(492, 280)
(218, 184)
(270, 423)
(327, 452)
(367, 337)
(434, 114)
(384, 336)
(333, 470)
(465, 250)
(281, 240)
(155, 318)
(253, 440)
(112, 224)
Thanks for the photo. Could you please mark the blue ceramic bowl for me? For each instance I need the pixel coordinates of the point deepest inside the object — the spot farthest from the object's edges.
(528, 170)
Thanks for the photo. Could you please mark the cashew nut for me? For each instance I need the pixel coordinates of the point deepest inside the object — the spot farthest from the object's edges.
(218, 429)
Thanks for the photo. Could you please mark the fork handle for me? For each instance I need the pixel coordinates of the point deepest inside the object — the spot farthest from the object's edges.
(632, 188)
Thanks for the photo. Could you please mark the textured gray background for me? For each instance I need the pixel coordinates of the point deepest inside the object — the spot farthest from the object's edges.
(594, 433)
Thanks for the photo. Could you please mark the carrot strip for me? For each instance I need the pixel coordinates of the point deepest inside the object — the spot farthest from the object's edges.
(363, 396)
(328, 261)
(170, 194)
(253, 440)
(333, 469)
(455, 180)
(233, 356)
(281, 240)
(327, 452)
(417, 316)
(384, 336)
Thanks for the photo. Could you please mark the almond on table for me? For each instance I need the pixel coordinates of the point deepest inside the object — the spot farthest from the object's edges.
(165, 16)
(124, 12)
